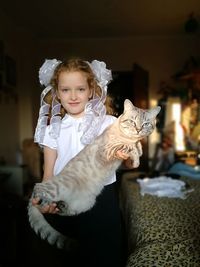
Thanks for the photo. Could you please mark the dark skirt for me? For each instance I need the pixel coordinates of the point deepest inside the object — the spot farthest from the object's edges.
(98, 231)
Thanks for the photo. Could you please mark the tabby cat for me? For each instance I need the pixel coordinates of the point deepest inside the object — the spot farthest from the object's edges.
(75, 189)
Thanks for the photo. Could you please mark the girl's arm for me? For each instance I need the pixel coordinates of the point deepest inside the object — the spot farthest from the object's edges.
(50, 156)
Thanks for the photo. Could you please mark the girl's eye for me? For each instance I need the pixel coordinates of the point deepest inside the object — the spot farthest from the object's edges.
(81, 89)
(64, 90)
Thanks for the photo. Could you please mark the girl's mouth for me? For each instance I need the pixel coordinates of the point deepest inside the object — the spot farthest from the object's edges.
(74, 103)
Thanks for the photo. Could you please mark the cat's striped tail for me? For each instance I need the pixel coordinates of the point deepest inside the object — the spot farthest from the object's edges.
(47, 232)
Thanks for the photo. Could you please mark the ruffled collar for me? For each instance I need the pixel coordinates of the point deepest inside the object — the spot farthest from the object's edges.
(70, 119)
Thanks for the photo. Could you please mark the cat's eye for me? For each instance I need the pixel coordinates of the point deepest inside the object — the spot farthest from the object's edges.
(146, 124)
(130, 122)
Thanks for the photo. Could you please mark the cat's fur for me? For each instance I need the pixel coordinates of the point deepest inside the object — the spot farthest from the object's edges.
(75, 189)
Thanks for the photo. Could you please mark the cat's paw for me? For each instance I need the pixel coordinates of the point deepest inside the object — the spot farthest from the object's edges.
(139, 149)
(62, 206)
(135, 162)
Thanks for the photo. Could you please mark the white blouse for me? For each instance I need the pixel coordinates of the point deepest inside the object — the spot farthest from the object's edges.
(68, 143)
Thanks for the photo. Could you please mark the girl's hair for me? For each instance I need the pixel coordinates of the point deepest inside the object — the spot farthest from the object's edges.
(71, 65)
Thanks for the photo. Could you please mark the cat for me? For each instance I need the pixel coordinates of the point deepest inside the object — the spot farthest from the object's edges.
(76, 187)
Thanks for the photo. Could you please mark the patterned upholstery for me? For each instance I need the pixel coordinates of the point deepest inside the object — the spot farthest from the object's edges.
(161, 231)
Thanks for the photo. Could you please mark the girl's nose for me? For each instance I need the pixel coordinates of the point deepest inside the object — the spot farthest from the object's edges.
(73, 95)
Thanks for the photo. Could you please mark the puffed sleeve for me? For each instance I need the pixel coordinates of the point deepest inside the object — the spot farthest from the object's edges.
(109, 119)
(48, 140)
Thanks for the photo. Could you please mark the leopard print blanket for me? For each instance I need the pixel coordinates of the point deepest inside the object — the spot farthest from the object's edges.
(162, 232)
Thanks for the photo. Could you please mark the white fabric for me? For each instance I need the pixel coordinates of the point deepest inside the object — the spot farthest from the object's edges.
(163, 187)
(68, 143)
(47, 70)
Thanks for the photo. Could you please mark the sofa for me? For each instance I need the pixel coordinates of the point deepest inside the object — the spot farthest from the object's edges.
(160, 231)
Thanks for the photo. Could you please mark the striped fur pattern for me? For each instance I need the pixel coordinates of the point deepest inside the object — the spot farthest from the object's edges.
(75, 189)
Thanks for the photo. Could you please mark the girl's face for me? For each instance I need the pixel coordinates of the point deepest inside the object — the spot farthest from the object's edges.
(73, 92)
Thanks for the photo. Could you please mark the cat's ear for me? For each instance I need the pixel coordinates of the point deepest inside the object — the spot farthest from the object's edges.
(154, 111)
(128, 105)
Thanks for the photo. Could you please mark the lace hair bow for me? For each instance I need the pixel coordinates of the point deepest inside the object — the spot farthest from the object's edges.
(45, 74)
(95, 110)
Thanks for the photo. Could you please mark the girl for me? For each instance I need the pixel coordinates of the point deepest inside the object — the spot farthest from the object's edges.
(75, 94)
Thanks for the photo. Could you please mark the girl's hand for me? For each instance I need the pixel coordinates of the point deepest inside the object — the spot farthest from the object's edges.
(121, 155)
(52, 208)
(127, 162)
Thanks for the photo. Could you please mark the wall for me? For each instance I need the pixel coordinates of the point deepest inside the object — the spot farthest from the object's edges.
(16, 117)
(162, 56)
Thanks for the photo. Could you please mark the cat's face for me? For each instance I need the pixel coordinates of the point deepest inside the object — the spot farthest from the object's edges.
(136, 122)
